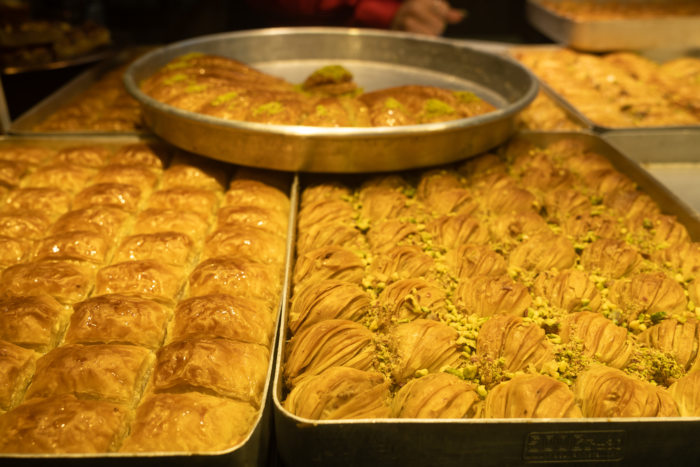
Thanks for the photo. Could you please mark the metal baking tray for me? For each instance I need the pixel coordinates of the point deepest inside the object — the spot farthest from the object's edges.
(26, 123)
(378, 59)
(617, 34)
(497, 442)
(254, 450)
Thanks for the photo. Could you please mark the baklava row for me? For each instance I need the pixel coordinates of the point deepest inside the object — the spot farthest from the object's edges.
(138, 299)
(536, 282)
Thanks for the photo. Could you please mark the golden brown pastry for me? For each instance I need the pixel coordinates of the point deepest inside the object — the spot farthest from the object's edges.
(152, 221)
(85, 156)
(248, 192)
(246, 241)
(436, 395)
(601, 338)
(67, 281)
(531, 396)
(12, 172)
(27, 153)
(119, 195)
(30, 225)
(331, 189)
(680, 339)
(63, 424)
(254, 216)
(490, 295)
(188, 422)
(329, 262)
(340, 393)
(220, 315)
(118, 319)
(52, 202)
(570, 290)
(608, 392)
(144, 154)
(563, 202)
(326, 212)
(647, 293)
(379, 203)
(197, 200)
(139, 176)
(450, 231)
(16, 370)
(508, 199)
(685, 393)
(145, 277)
(401, 262)
(328, 343)
(471, 260)
(513, 227)
(682, 257)
(587, 226)
(228, 368)
(106, 220)
(422, 344)
(173, 248)
(409, 299)
(111, 373)
(36, 322)
(433, 182)
(236, 276)
(610, 257)
(195, 172)
(385, 235)
(321, 235)
(519, 344)
(77, 245)
(328, 299)
(543, 252)
(14, 251)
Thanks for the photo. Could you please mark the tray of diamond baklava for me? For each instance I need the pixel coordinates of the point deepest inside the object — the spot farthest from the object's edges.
(94, 102)
(606, 25)
(329, 99)
(534, 304)
(140, 289)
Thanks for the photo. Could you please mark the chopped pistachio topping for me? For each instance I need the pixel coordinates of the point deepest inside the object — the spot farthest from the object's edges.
(269, 108)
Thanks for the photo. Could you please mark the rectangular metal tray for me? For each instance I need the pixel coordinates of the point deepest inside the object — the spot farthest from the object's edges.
(454, 442)
(618, 34)
(255, 450)
(26, 123)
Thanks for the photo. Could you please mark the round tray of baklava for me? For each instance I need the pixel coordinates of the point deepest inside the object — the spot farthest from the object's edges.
(377, 60)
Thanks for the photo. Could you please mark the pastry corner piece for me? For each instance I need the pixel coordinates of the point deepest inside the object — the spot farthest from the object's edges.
(189, 422)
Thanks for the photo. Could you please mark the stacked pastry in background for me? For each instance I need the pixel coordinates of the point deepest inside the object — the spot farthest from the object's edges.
(538, 282)
(138, 299)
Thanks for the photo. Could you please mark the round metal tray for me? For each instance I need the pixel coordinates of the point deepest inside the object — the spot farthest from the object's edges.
(377, 59)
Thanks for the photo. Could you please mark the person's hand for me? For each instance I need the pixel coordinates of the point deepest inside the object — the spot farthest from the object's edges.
(429, 17)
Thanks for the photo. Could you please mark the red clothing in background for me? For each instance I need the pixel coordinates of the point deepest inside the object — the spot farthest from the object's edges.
(367, 13)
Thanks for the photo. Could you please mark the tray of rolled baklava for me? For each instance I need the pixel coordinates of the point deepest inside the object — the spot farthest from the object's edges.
(140, 288)
(536, 303)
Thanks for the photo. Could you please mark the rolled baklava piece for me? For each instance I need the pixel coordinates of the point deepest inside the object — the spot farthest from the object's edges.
(686, 393)
(321, 235)
(172, 248)
(513, 227)
(472, 259)
(678, 338)
(608, 392)
(329, 299)
(70, 177)
(682, 257)
(611, 258)
(450, 231)
(508, 199)
(326, 211)
(630, 204)
(144, 154)
(564, 202)
(27, 153)
(399, 263)
(380, 203)
(436, 395)
(118, 195)
(108, 221)
(35, 322)
(248, 192)
(409, 299)
(383, 236)
(531, 396)
(329, 343)
(490, 295)
(93, 157)
(324, 190)
(329, 262)
(148, 277)
(570, 290)
(263, 218)
(51, 202)
(340, 393)
(195, 172)
(650, 293)
(245, 241)
(601, 338)
(197, 200)
(143, 178)
(591, 226)
(65, 280)
(543, 252)
(153, 221)
(435, 181)
(17, 366)
(29, 225)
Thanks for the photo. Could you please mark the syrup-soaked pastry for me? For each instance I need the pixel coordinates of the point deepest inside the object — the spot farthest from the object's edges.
(663, 229)
(490, 295)
(195, 173)
(228, 368)
(342, 111)
(120, 195)
(52, 202)
(147, 277)
(611, 184)
(543, 252)
(105, 220)
(63, 424)
(456, 201)
(472, 259)
(409, 299)
(564, 202)
(142, 154)
(433, 182)
(422, 344)
(329, 262)
(118, 319)
(86, 156)
(152, 221)
(36, 322)
(29, 225)
(14, 251)
(610, 257)
(483, 164)
(321, 235)
(450, 231)
(220, 315)
(248, 192)
(509, 199)
(12, 172)
(197, 200)
(587, 226)
(520, 344)
(601, 338)
(570, 290)
(188, 422)
(250, 242)
(531, 396)
(630, 203)
(326, 212)
(401, 262)
(28, 154)
(69, 177)
(680, 339)
(685, 393)
(340, 393)
(547, 179)
(513, 227)
(694, 290)
(608, 392)
(380, 203)
(650, 293)
(136, 175)
(16, 370)
(436, 395)
(77, 245)
(329, 299)
(328, 343)
(67, 281)
(254, 216)
(112, 373)
(173, 248)
(325, 190)
(236, 276)
(385, 235)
